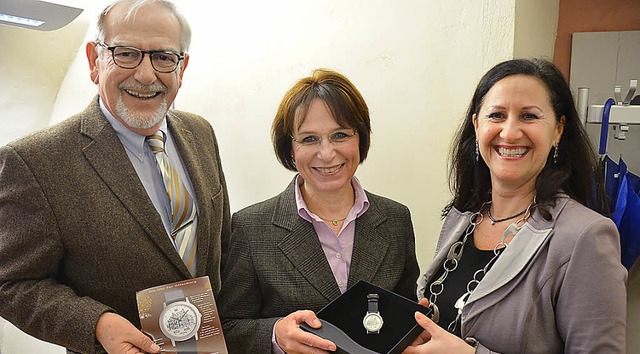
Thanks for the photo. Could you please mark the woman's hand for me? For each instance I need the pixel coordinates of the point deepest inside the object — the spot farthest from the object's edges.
(292, 339)
(424, 336)
(434, 339)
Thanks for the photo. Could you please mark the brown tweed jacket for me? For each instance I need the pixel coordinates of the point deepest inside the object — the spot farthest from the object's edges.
(276, 265)
(79, 235)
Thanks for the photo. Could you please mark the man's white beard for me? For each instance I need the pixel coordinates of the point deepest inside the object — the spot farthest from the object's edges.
(138, 120)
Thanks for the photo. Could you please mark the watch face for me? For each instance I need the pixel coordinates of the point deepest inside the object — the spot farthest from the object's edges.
(372, 322)
(180, 321)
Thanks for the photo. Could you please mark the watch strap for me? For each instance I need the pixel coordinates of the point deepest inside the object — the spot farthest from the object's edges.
(173, 296)
(188, 346)
(373, 302)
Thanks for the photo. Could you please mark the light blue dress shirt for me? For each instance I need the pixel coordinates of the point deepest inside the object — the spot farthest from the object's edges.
(144, 163)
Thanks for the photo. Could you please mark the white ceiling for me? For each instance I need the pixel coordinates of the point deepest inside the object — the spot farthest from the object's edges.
(54, 15)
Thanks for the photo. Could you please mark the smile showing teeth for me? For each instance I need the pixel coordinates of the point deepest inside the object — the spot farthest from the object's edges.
(329, 169)
(512, 152)
(140, 95)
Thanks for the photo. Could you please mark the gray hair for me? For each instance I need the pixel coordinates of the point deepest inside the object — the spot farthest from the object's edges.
(185, 35)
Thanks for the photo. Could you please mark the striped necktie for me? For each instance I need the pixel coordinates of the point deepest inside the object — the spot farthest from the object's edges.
(183, 210)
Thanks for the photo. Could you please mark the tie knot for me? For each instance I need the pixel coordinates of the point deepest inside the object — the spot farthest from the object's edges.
(156, 142)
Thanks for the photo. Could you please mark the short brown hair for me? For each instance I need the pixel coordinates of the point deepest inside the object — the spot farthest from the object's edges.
(346, 104)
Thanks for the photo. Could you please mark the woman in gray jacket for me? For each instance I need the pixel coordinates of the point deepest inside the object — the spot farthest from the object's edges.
(525, 262)
(294, 253)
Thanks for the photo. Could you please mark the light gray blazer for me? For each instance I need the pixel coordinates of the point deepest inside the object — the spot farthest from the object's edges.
(558, 288)
(79, 234)
(276, 265)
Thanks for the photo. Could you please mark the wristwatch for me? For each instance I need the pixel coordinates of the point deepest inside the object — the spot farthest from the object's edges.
(180, 321)
(372, 321)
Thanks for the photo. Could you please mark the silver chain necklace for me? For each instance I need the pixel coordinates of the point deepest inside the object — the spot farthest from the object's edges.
(453, 258)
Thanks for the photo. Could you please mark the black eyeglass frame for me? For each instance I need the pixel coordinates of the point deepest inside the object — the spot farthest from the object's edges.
(112, 49)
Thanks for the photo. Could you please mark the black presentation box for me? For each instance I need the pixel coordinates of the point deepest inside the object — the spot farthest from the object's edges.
(342, 321)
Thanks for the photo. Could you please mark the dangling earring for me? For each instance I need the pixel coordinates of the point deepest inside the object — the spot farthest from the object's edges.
(477, 151)
(555, 153)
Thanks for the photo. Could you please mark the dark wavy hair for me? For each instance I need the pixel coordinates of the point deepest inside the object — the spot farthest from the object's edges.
(576, 172)
(343, 99)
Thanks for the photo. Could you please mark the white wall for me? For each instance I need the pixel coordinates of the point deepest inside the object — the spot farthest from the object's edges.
(536, 28)
(416, 62)
(32, 65)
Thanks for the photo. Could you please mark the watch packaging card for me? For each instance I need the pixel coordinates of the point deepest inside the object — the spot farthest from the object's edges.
(182, 317)
(343, 321)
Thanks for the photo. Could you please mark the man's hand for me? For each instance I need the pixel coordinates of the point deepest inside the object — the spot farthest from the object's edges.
(119, 336)
(292, 339)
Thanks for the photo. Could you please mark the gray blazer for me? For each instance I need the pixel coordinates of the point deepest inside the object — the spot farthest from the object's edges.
(276, 265)
(79, 235)
(558, 288)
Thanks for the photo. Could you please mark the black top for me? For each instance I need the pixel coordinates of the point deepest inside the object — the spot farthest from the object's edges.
(455, 285)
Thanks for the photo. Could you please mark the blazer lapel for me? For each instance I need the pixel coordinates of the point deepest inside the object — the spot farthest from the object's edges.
(521, 250)
(513, 260)
(107, 156)
(302, 247)
(370, 245)
(454, 225)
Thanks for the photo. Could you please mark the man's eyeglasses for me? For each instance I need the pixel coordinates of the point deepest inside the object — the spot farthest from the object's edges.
(162, 61)
(335, 138)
